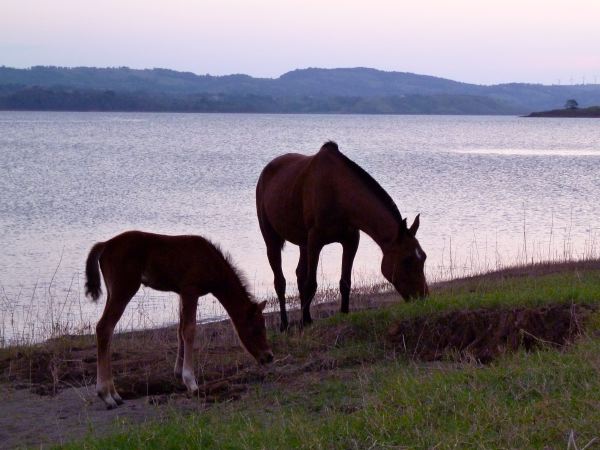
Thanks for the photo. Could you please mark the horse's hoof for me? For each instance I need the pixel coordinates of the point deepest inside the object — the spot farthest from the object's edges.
(305, 322)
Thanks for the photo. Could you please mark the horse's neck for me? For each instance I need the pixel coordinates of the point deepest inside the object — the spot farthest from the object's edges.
(370, 214)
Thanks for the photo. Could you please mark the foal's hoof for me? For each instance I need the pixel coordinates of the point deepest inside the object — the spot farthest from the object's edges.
(118, 400)
(110, 402)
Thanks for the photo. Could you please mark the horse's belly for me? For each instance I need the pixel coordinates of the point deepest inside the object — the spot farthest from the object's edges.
(291, 230)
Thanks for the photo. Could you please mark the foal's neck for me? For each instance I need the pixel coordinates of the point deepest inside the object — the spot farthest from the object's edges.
(232, 294)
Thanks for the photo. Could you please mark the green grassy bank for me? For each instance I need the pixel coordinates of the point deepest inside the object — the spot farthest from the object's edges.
(358, 391)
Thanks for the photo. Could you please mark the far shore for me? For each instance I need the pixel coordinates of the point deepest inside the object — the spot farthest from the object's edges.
(592, 112)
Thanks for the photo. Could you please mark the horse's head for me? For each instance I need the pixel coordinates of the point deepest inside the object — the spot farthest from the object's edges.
(253, 334)
(403, 262)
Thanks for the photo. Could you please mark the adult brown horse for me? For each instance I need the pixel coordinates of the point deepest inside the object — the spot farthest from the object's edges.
(191, 266)
(316, 200)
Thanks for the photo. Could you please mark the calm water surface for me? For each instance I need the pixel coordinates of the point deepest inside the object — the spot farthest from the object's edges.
(490, 190)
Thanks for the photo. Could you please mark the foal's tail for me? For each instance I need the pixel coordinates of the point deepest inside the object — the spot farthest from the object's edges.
(92, 272)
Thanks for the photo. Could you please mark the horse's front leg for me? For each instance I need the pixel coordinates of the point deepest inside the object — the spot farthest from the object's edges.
(313, 250)
(189, 305)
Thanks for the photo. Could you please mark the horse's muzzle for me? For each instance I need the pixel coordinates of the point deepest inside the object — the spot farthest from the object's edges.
(266, 357)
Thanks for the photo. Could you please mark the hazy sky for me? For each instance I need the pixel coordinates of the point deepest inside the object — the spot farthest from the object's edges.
(484, 41)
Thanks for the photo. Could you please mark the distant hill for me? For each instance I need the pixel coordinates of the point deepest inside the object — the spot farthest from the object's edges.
(352, 90)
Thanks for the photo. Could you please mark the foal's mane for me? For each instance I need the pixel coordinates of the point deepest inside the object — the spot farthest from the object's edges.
(369, 181)
(241, 276)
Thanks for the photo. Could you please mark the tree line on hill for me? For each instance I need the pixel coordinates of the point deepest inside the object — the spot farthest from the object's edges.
(62, 99)
(357, 90)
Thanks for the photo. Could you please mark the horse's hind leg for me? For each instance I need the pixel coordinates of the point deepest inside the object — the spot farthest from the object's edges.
(274, 245)
(349, 245)
(118, 296)
(307, 293)
(301, 269)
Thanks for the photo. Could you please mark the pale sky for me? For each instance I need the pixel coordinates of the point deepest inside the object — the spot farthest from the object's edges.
(466, 40)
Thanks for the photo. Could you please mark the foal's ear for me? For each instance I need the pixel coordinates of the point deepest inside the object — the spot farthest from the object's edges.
(261, 306)
(415, 226)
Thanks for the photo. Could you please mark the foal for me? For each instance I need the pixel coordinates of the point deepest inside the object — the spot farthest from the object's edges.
(192, 267)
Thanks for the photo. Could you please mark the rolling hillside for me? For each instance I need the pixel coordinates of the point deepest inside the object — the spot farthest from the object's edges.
(351, 90)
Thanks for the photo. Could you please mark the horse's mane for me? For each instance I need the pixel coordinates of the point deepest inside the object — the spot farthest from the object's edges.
(369, 181)
(241, 276)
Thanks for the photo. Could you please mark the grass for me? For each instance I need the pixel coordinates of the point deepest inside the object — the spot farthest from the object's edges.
(358, 393)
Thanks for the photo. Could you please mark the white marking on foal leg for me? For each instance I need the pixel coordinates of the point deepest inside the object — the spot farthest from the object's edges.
(115, 395)
(189, 380)
(103, 391)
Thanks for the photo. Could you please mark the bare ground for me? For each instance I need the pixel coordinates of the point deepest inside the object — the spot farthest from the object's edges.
(48, 392)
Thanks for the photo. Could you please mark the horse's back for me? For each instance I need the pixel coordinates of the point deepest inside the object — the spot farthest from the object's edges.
(289, 191)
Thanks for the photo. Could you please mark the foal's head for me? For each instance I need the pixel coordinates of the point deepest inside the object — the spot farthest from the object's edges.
(403, 263)
(253, 334)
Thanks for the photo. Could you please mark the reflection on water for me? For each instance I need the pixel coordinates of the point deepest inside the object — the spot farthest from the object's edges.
(490, 190)
(528, 152)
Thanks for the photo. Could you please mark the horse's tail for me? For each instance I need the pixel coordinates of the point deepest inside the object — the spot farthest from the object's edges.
(92, 272)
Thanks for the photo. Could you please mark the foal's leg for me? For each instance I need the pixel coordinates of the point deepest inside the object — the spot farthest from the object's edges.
(189, 304)
(179, 358)
(313, 250)
(349, 245)
(117, 300)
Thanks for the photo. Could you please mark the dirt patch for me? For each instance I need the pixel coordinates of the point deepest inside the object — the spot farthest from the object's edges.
(484, 334)
(142, 361)
(142, 364)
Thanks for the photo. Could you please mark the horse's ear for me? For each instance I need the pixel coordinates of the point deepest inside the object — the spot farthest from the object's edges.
(261, 306)
(402, 229)
(415, 226)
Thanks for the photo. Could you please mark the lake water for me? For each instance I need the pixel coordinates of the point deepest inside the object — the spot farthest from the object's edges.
(491, 191)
